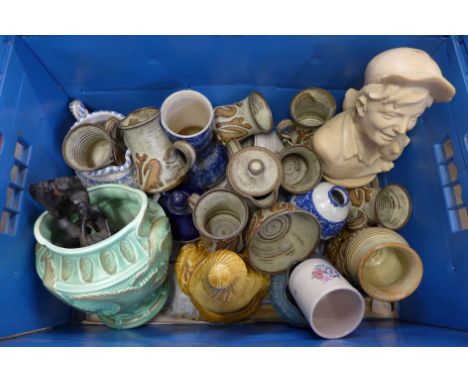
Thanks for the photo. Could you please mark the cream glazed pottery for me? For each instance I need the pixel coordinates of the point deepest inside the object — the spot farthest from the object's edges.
(329, 204)
(120, 174)
(378, 260)
(371, 133)
(330, 304)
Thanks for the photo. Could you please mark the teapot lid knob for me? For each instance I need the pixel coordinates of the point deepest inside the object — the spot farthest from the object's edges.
(256, 167)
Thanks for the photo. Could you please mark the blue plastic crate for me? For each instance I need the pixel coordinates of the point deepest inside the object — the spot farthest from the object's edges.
(40, 75)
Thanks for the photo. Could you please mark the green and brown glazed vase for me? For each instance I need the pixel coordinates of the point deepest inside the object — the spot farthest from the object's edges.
(122, 278)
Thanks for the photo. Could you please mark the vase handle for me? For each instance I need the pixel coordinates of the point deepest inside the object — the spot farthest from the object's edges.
(284, 134)
(78, 109)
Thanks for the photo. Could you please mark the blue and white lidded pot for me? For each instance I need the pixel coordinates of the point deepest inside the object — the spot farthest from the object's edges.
(329, 203)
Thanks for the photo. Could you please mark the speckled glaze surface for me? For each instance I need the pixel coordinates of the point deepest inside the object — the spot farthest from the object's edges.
(161, 164)
(280, 236)
(243, 119)
(301, 169)
(329, 204)
(378, 260)
(256, 174)
(121, 278)
(210, 166)
(124, 174)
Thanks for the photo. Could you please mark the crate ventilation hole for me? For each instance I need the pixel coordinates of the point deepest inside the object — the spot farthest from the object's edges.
(14, 194)
(457, 211)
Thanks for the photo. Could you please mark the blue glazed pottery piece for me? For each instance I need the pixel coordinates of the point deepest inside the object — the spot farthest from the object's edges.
(175, 204)
(283, 304)
(188, 115)
(329, 204)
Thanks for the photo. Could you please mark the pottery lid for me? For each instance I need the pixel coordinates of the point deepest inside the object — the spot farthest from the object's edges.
(254, 171)
(139, 117)
(223, 282)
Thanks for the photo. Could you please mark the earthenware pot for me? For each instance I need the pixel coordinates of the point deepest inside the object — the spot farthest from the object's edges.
(279, 236)
(301, 169)
(378, 260)
(389, 206)
(243, 119)
(120, 174)
(177, 208)
(220, 217)
(329, 204)
(330, 304)
(159, 163)
(309, 109)
(120, 278)
(222, 286)
(188, 115)
(254, 173)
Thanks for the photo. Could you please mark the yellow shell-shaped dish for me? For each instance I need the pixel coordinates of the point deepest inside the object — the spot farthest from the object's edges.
(222, 286)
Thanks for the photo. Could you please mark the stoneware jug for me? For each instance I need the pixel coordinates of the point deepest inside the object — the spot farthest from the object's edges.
(188, 115)
(161, 165)
(378, 260)
(120, 174)
(243, 119)
(329, 204)
(222, 286)
(120, 278)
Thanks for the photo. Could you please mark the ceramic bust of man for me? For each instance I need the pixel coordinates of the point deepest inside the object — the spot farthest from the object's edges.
(370, 133)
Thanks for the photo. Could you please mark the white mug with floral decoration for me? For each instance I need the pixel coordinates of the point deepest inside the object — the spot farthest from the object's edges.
(330, 304)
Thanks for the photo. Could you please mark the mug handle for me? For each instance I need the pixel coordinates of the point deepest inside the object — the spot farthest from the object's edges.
(284, 134)
(192, 200)
(232, 147)
(78, 109)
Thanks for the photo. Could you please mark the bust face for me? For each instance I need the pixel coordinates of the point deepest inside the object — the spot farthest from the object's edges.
(385, 123)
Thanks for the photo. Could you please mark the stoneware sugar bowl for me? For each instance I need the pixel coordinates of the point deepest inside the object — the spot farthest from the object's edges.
(122, 278)
(329, 204)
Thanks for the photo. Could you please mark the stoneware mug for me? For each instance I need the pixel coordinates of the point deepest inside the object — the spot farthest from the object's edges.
(188, 115)
(330, 304)
(309, 109)
(121, 174)
(243, 119)
(158, 161)
(220, 217)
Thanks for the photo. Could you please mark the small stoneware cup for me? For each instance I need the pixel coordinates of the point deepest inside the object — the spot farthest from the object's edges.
(330, 304)
(243, 119)
(87, 148)
(378, 260)
(220, 217)
(301, 169)
(309, 109)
